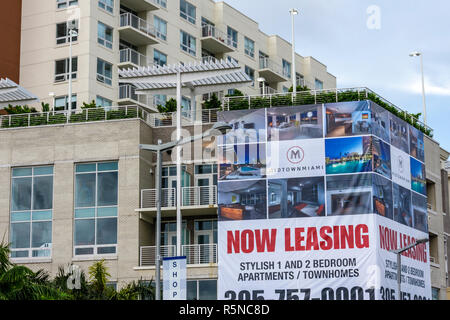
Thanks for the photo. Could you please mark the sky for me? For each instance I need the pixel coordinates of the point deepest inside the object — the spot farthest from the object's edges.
(364, 47)
(335, 148)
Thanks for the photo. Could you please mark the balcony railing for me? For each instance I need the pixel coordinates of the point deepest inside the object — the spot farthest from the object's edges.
(195, 254)
(266, 63)
(208, 116)
(212, 31)
(318, 97)
(128, 92)
(130, 56)
(190, 197)
(130, 20)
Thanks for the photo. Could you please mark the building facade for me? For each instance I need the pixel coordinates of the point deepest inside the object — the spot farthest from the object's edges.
(10, 29)
(115, 34)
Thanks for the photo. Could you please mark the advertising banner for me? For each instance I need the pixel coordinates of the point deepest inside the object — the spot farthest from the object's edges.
(314, 200)
(174, 278)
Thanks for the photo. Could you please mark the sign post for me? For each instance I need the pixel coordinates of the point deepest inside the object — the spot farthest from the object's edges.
(174, 278)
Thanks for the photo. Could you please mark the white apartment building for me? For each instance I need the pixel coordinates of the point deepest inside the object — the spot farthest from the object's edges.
(116, 34)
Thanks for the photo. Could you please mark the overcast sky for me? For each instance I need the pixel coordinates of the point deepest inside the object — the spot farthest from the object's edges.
(336, 33)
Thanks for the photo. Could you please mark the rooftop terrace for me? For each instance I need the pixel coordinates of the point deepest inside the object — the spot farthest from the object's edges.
(207, 116)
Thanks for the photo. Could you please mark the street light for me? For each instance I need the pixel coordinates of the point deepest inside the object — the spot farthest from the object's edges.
(419, 54)
(293, 13)
(219, 128)
(72, 33)
(399, 262)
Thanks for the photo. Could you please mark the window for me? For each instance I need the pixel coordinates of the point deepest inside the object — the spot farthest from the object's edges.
(169, 175)
(251, 73)
(207, 169)
(105, 35)
(187, 11)
(159, 58)
(102, 102)
(263, 60)
(159, 99)
(231, 59)
(66, 3)
(162, 3)
(95, 218)
(285, 89)
(232, 37)
(61, 103)
(31, 212)
(169, 233)
(434, 293)
(62, 69)
(107, 5)
(201, 290)
(160, 27)
(300, 79)
(104, 71)
(318, 84)
(62, 32)
(186, 107)
(249, 46)
(286, 69)
(188, 43)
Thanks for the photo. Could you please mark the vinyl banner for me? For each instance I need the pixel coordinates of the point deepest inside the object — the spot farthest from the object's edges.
(314, 200)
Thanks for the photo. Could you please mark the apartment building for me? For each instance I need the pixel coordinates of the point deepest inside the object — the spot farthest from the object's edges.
(10, 28)
(115, 34)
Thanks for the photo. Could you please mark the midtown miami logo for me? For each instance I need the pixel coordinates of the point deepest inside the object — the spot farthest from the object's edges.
(295, 155)
(298, 158)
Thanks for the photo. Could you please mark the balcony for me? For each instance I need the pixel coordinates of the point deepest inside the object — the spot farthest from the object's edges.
(192, 199)
(128, 96)
(271, 71)
(195, 254)
(215, 41)
(141, 5)
(136, 30)
(130, 58)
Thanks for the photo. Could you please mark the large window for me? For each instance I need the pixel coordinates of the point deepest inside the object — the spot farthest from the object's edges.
(187, 11)
(107, 5)
(188, 43)
(249, 47)
(66, 3)
(160, 27)
(286, 69)
(232, 37)
(62, 32)
(62, 69)
(31, 212)
(159, 58)
(62, 103)
(162, 3)
(96, 200)
(104, 71)
(105, 35)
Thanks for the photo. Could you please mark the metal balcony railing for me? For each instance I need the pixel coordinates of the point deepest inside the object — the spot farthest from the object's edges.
(195, 254)
(190, 197)
(318, 97)
(156, 120)
(130, 20)
(211, 31)
(128, 92)
(132, 56)
(168, 198)
(266, 63)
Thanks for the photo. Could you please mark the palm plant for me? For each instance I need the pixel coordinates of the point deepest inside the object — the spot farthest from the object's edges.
(21, 283)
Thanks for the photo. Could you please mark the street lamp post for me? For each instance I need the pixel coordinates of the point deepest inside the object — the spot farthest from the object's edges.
(293, 13)
(72, 33)
(420, 54)
(217, 129)
(399, 263)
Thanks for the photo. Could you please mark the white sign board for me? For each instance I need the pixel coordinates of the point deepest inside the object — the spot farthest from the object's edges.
(174, 278)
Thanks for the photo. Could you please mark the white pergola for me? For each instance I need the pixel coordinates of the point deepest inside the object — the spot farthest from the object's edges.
(12, 93)
(191, 79)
